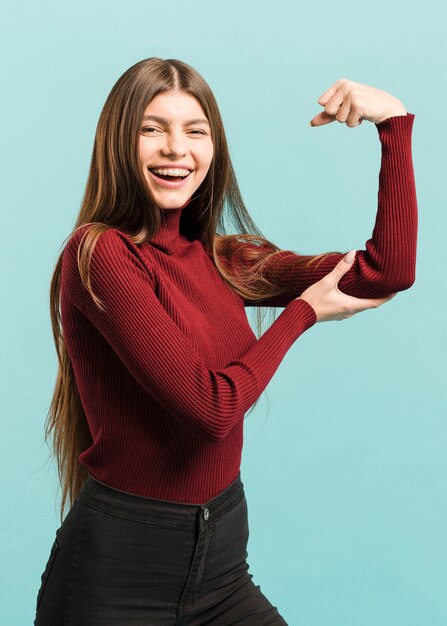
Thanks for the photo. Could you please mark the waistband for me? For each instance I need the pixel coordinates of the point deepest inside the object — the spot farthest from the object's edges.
(102, 497)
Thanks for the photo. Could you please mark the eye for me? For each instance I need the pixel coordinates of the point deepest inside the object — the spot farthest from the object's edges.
(147, 129)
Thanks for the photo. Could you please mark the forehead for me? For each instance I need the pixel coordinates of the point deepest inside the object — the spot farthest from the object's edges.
(175, 104)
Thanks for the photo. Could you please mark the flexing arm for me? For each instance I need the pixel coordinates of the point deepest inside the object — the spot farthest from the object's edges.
(207, 401)
(388, 263)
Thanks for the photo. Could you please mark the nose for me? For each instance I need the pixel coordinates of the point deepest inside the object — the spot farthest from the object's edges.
(175, 143)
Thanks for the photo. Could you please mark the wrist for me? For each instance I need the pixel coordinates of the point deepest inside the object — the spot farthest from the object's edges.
(400, 110)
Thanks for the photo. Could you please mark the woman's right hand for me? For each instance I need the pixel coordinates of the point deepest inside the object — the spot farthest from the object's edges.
(330, 303)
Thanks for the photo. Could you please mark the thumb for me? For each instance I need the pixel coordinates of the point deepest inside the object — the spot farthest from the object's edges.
(344, 264)
(321, 119)
(349, 257)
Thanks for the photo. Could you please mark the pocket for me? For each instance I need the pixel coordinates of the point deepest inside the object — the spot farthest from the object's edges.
(47, 571)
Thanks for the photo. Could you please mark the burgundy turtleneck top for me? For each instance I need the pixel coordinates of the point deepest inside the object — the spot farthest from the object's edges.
(167, 372)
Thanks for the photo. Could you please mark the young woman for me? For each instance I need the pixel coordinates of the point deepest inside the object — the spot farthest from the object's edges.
(158, 364)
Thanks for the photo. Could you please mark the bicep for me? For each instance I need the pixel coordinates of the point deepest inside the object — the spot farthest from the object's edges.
(294, 275)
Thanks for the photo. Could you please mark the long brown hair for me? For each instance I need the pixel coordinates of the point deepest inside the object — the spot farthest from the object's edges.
(117, 195)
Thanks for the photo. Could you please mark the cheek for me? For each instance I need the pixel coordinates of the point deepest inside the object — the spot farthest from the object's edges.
(211, 154)
(143, 152)
(207, 156)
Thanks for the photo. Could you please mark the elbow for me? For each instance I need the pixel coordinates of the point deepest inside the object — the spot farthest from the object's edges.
(391, 282)
(403, 284)
(215, 431)
(204, 431)
(211, 436)
(215, 435)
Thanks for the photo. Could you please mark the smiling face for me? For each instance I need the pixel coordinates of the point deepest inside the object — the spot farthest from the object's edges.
(174, 134)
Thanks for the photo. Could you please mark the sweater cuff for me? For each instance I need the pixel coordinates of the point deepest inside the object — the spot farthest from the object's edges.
(397, 127)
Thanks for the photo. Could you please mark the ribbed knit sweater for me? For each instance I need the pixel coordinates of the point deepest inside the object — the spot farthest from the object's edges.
(168, 371)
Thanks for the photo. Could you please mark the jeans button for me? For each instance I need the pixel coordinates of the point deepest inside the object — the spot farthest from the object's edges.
(206, 514)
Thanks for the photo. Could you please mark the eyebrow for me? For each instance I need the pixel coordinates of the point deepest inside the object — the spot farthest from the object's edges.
(162, 120)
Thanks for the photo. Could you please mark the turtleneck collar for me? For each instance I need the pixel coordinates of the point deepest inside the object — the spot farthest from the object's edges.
(168, 238)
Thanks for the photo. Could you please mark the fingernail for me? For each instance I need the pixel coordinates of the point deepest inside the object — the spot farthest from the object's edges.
(310, 123)
(350, 256)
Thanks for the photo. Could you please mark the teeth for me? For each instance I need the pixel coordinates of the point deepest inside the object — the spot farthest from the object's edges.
(171, 171)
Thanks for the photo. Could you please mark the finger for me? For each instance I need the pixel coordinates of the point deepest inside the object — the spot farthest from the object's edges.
(354, 119)
(321, 119)
(345, 109)
(357, 114)
(343, 265)
(333, 104)
(327, 95)
(361, 304)
(390, 297)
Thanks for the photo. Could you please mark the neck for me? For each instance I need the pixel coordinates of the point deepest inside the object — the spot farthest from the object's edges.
(168, 238)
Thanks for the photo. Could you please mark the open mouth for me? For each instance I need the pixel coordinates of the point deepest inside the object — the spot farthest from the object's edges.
(167, 176)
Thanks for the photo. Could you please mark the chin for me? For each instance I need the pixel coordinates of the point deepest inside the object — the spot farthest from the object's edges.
(174, 201)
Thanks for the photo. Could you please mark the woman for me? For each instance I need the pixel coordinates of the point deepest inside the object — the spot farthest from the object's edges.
(158, 364)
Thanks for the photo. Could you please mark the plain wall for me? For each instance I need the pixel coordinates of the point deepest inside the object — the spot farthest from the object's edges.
(344, 462)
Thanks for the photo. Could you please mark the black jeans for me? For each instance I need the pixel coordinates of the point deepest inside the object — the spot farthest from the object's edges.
(123, 559)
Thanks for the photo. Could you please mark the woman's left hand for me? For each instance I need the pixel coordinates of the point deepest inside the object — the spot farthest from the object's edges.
(351, 103)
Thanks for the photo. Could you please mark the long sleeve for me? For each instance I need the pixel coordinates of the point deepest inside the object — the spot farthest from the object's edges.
(388, 262)
(209, 402)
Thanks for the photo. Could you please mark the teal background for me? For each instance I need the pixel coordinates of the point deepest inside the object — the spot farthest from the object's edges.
(344, 461)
